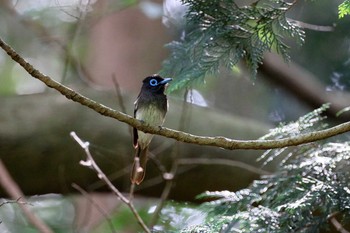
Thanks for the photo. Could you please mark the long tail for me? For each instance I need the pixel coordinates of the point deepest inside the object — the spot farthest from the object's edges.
(139, 168)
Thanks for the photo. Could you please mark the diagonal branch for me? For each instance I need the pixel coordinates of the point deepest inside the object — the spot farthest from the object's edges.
(96, 205)
(14, 191)
(217, 141)
(90, 162)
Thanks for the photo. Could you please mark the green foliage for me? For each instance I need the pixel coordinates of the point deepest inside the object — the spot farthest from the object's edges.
(124, 221)
(305, 124)
(344, 9)
(309, 187)
(8, 84)
(298, 198)
(221, 33)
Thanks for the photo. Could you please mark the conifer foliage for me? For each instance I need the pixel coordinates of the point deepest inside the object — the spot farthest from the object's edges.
(308, 192)
(221, 33)
(301, 197)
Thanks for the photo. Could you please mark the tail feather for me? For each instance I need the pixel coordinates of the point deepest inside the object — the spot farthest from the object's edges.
(139, 166)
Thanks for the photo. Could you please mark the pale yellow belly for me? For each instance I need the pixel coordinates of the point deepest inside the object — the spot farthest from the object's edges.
(149, 115)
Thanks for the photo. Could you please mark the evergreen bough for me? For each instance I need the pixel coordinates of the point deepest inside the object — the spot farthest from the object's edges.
(310, 187)
(220, 33)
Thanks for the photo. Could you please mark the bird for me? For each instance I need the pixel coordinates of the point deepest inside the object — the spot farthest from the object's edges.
(150, 107)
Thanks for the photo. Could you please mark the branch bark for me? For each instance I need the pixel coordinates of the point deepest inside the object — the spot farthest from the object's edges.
(218, 141)
(15, 193)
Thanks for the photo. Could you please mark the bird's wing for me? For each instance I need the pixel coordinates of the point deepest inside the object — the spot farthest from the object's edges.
(135, 135)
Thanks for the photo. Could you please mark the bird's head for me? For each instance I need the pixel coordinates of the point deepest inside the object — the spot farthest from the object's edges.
(155, 83)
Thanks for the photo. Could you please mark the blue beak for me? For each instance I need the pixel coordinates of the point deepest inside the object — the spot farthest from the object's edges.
(165, 81)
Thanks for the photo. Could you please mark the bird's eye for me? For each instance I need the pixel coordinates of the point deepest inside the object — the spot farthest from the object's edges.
(153, 82)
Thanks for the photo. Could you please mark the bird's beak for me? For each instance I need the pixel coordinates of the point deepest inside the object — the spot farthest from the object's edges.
(165, 81)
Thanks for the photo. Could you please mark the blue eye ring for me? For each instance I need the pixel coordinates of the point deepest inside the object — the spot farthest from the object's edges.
(153, 82)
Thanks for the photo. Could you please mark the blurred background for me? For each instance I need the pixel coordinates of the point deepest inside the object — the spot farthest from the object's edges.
(104, 49)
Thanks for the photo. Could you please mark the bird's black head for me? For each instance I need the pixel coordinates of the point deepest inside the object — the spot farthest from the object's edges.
(155, 83)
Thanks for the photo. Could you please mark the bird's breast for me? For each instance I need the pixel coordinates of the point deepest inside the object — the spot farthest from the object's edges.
(152, 115)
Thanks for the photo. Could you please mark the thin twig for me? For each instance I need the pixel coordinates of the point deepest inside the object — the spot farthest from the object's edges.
(114, 176)
(91, 163)
(68, 48)
(131, 192)
(97, 206)
(313, 27)
(169, 177)
(218, 141)
(160, 179)
(169, 180)
(157, 162)
(119, 93)
(85, 217)
(17, 201)
(13, 190)
(338, 226)
(335, 223)
(123, 108)
(226, 162)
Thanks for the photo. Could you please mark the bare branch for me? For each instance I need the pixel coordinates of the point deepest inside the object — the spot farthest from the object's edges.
(332, 219)
(226, 162)
(17, 201)
(217, 141)
(11, 187)
(119, 93)
(91, 163)
(94, 203)
(169, 178)
(313, 27)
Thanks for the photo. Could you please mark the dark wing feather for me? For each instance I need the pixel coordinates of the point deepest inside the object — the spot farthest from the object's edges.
(135, 137)
(134, 130)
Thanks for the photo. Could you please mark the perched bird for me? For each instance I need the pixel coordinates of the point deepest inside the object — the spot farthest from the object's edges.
(151, 106)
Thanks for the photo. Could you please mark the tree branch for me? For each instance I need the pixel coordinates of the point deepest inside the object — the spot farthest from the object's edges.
(14, 191)
(332, 219)
(90, 162)
(224, 162)
(96, 205)
(217, 141)
(303, 85)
